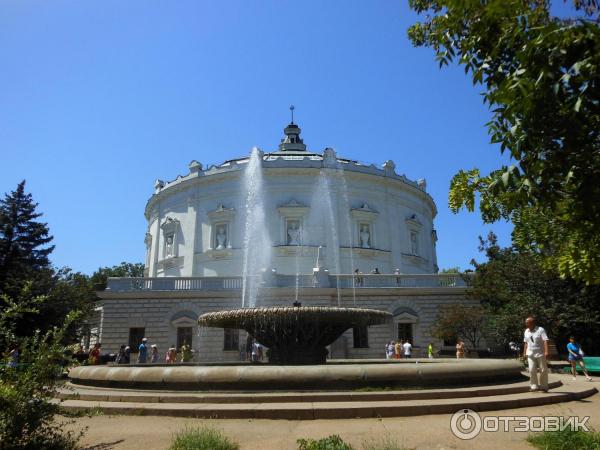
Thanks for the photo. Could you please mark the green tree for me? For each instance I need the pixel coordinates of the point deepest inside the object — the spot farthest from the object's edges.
(512, 285)
(451, 270)
(460, 320)
(541, 79)
(24, 261)
(24, 248)
(100, 277)
(28, 414)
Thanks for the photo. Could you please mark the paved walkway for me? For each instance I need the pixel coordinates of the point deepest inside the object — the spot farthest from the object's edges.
(421, 432)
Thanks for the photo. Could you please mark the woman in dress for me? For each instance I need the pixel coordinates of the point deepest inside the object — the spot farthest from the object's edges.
(460, 349)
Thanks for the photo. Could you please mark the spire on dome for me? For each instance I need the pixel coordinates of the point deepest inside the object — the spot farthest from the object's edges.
(292, 140)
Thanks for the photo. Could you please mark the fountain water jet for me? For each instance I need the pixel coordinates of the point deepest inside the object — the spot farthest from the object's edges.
(257, 242)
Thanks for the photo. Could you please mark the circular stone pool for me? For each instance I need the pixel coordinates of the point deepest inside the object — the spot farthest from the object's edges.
(342, 374)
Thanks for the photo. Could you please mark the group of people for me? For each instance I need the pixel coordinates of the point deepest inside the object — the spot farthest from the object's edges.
(403, 349)
(359, 280)
(397, 350)
(123, 357)
(146, 354)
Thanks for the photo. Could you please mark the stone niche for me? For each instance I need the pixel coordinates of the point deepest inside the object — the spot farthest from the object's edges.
(364, 238)
(170, 230)
(292, 217)
(221, 226)
(414, 246)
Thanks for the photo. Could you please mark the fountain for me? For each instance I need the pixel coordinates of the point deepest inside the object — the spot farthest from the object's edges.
(257, 243)
(295, 335)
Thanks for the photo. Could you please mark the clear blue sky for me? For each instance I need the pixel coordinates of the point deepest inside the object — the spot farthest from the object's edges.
(100, 98)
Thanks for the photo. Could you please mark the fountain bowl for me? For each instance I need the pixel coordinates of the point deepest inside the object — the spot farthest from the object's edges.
(295, 335)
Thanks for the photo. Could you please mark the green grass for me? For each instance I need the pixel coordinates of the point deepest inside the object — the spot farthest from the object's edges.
(383, 443)
(202, 439)
(565, 440)
(334, 442)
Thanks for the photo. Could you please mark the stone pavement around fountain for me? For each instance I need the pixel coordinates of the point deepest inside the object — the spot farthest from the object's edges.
(421, 432)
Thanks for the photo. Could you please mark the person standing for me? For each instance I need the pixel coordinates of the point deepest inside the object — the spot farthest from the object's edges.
(389, 350)
(120, 355)
(254, 352)
(143, 352)
(398, 349)
(154, 354)
(358, 279)
(126, 355)
(186, 353)
(460, 349)
(95, 354)
(430, 350)
(535, 349)
(406, 349)
(575, 356)
(171, 356)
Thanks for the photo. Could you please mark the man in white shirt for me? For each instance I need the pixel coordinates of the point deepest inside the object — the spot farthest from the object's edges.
(406, 348)
(535, 348)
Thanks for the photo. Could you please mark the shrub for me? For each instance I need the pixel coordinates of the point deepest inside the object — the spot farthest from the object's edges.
(202, 439)
(565, 440)
(27, 414)
(333, 442)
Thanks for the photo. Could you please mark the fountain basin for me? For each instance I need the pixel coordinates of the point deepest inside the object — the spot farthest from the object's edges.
(295, 335)
(336, 375)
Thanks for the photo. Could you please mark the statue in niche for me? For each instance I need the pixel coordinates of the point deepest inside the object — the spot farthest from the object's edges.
(221, 237)
(365, 237)
(414, 244)
(169, 246)
(293, 232)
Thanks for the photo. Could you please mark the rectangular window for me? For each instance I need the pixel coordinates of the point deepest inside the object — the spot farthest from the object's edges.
(184, 336)
(405, 332)
(361, 338)
(231, 339)
(135, 338)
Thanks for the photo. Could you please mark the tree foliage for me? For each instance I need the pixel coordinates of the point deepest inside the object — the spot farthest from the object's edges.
(24, 248)
(512, 285)
(125, 269)
(25, 264)
(462, 320)
(27, 412)
(541, 79)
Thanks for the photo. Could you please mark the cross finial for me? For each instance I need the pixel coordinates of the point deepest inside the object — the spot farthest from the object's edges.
(292, 110)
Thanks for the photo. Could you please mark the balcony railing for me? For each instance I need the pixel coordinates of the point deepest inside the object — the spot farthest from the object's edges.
(287, 281)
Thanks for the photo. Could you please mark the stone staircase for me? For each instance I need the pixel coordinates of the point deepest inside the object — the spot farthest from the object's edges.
(318, 405)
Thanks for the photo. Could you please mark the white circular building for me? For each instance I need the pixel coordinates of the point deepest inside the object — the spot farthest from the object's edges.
(275, 211)
(276, 228)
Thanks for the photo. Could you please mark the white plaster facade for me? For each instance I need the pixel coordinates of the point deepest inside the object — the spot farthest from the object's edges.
(196, 222)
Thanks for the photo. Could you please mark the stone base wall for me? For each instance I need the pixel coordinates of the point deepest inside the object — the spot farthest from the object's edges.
(160, 313)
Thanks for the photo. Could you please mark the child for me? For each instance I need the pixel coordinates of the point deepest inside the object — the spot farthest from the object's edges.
(576, 355)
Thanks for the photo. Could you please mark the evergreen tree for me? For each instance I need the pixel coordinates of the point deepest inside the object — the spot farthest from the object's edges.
(24, 248)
